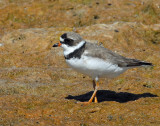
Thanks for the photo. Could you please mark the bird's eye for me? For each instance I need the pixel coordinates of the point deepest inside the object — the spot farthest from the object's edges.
(68, 41)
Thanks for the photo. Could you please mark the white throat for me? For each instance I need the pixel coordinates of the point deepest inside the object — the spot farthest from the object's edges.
(69, 49)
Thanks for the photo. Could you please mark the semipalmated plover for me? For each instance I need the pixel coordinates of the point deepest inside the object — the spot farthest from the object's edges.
(93, 60)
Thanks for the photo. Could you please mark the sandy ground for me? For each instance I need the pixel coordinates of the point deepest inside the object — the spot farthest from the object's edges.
(38, 88)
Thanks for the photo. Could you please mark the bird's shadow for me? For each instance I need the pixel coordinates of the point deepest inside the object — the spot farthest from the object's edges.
(107, 95)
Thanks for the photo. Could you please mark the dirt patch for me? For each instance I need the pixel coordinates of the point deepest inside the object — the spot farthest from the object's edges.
(38, 88)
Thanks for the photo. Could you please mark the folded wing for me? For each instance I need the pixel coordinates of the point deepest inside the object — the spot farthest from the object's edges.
(96, 51)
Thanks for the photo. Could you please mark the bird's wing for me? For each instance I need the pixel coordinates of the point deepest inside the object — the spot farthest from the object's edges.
(96, 51)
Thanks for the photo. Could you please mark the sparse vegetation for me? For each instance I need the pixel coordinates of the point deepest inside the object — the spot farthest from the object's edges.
(38, 88)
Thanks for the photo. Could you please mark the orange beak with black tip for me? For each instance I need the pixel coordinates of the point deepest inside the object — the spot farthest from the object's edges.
(57, 45)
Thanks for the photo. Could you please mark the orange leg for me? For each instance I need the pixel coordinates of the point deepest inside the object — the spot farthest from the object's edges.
(95, 85)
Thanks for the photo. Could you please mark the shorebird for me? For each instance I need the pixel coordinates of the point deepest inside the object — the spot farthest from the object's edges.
(93, 60)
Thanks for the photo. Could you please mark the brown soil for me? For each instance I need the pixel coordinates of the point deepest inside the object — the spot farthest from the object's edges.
(38, 88)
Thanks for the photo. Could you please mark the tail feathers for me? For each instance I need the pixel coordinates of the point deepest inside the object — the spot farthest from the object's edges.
(145, 63)
(134, 63)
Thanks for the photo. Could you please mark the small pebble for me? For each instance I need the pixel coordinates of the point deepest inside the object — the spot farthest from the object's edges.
(1, 44)
(109, 4)
(110, 117)
(116, 30)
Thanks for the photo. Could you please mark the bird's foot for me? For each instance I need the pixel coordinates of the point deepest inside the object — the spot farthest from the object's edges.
(95, 100)
(88, 102)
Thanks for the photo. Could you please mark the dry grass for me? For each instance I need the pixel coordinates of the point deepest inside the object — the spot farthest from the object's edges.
(71, 13)
(38, 88)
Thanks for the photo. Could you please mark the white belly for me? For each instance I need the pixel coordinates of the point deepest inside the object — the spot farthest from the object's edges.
(95, 67)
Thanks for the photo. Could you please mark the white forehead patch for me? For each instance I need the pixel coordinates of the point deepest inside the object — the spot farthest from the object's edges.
(61, 39)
